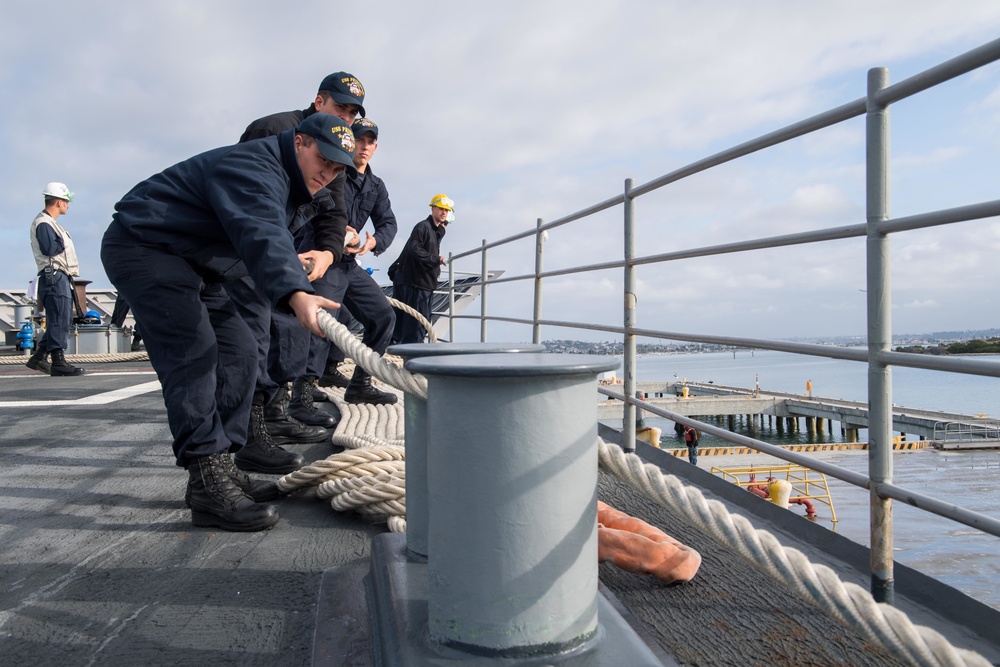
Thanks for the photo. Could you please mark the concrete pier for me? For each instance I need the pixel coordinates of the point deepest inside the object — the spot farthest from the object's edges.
(947, 429)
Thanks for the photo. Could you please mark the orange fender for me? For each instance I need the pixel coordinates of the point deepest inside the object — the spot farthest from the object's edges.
(635, 546)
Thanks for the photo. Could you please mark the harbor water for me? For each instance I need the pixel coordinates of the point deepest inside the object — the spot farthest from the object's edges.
(960, 556)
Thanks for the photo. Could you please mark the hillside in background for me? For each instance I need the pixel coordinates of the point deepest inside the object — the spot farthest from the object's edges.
(983, 341)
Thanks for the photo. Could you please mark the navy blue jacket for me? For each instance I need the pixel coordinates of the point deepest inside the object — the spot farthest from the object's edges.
(420, 261)
(329, 227)
(366, 197)
(49, 242)
(229, 212)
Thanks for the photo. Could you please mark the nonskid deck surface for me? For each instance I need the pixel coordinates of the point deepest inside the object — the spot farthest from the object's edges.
(99, 562)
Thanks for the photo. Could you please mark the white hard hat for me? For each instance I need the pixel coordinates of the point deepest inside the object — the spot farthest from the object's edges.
(58, 190)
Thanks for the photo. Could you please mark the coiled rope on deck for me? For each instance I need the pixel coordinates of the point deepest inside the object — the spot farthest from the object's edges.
(368, 477)
(365, 425)
(369, 481)
(849, 603)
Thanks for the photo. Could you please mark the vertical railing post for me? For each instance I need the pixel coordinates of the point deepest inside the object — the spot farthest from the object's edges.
(451, 298)
(482, 303)
(879, 339)
(536, 313)
(628, 388)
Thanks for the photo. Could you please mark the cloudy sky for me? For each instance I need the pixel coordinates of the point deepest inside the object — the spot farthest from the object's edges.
(526, 110)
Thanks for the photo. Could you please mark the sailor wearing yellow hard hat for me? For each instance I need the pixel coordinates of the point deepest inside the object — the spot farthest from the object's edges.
(415, 273)
(444, 202)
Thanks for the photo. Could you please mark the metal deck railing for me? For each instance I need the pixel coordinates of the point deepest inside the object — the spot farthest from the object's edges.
(878, 356)
(972, 432)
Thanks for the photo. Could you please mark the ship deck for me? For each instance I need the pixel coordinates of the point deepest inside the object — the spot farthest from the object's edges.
(101, 565)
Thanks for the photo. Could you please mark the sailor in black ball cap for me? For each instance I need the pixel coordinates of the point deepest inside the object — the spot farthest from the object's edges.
(174, 239)
(284, 349)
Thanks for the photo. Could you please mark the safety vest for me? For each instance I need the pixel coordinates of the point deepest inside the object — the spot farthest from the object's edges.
(65, 261)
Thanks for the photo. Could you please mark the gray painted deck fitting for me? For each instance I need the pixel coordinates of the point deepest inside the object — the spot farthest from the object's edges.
(512, 490)
(415, 427)
(398, 589)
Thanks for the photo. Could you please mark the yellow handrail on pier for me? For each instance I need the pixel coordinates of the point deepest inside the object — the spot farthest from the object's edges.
(803, 481)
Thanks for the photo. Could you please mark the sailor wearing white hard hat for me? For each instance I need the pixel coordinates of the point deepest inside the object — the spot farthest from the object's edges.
(55, 259)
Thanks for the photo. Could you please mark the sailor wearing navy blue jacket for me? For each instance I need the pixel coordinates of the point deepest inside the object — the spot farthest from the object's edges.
(174, 239)
(283, 347)
(367, 199)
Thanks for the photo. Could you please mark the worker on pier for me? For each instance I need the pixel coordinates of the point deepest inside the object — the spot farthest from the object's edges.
(691, 440)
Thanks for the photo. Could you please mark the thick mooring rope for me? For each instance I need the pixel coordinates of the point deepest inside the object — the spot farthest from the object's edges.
(369, 359)
(84, 358)
(362, 425)
(368, 476)
(851, 604)
(370, 481)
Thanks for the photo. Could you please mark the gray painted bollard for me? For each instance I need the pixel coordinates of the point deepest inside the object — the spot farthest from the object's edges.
(415, 429)
(512, 489)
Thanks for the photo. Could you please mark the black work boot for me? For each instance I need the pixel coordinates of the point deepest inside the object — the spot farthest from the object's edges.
(61, 367)
(360, 390)
(285, 429)
(216, 500)
(301, 406)
(332, 377)
(261, 454)
(259, 490)
(39, 361)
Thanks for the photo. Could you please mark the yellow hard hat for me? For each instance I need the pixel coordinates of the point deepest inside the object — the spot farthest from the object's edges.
(443, 201)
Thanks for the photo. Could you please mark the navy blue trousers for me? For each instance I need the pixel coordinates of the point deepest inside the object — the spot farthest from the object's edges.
(57, 301)
(197, 343)
(350, 285)
(282, 343)
(408, 329)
